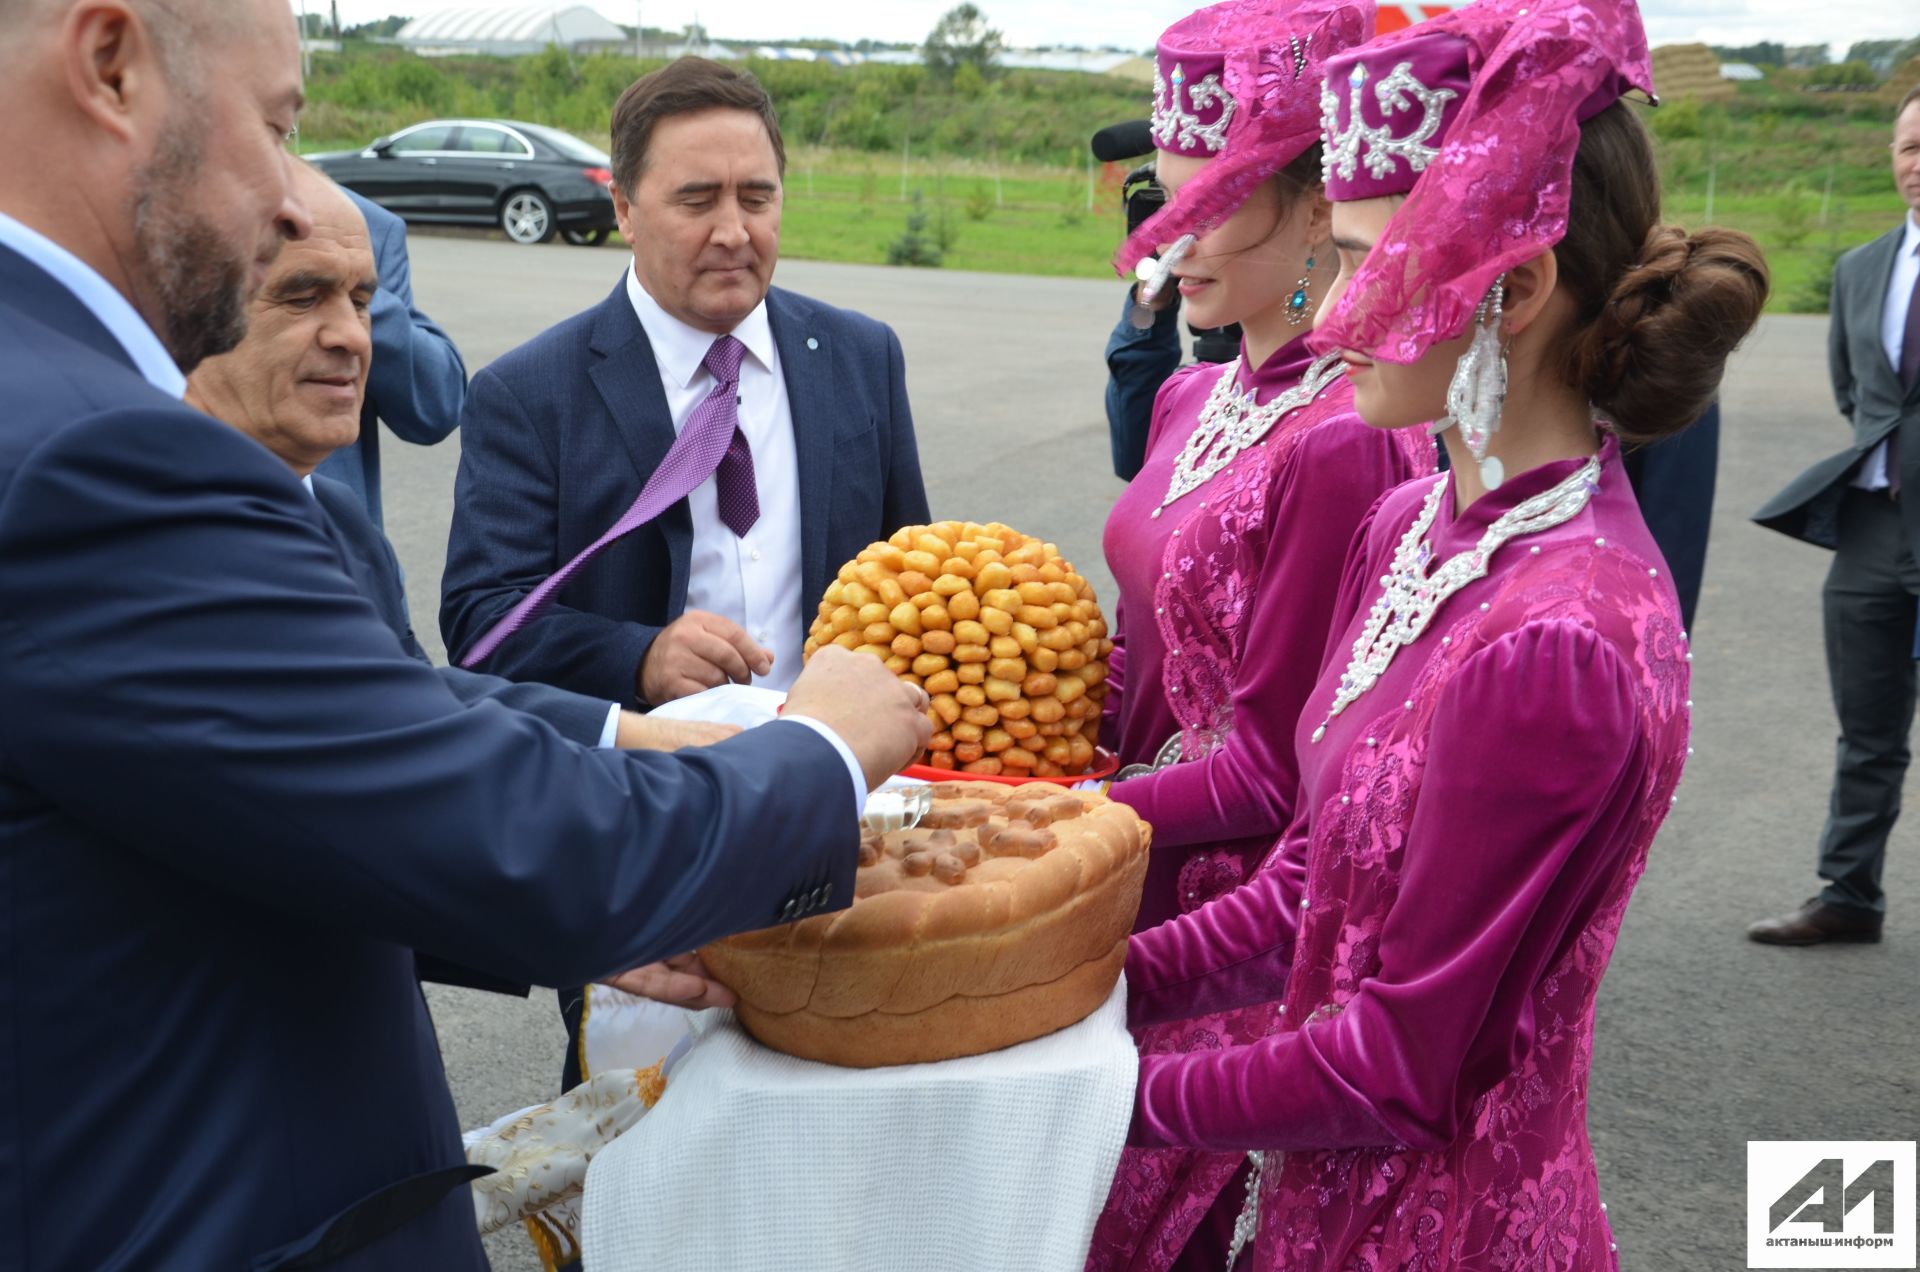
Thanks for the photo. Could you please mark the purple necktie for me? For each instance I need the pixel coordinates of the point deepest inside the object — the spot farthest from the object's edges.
(1910, 339)
(711, 444)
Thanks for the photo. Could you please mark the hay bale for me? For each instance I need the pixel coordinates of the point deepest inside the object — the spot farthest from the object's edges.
(1689, 70)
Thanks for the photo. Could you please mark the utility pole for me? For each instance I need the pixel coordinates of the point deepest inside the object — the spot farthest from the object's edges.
(336, 19)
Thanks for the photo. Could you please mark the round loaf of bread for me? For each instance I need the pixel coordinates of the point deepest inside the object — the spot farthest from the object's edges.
(1002, 916)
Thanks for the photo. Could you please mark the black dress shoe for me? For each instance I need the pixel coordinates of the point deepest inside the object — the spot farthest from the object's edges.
(1817, 923)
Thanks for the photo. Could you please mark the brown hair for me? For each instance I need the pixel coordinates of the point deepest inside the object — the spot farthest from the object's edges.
(1913, 95)
(1659, 310)
(684, 87)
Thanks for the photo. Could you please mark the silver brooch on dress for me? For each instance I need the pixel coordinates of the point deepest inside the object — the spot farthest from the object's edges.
(1231, 421)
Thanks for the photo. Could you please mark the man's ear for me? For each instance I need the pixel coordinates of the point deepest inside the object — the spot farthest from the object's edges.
(113, 68)
(1529, 285)
(622, 211)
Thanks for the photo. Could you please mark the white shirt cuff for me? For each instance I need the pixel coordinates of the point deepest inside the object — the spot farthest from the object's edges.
(854, 771)
(611, 729)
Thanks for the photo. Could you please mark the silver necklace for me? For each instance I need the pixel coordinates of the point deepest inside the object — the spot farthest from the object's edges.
(1410, 596)
(1231, 421)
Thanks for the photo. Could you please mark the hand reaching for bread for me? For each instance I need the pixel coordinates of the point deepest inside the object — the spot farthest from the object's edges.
(881, 717)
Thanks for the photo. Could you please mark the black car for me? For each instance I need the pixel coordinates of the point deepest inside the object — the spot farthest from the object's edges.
(529, 180)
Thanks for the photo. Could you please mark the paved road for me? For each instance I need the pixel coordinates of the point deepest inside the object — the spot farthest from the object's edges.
(1705, 1041)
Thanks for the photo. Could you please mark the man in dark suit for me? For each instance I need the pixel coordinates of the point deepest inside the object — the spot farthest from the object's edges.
(294, 385)
(418, 380)
(231, 807)
(559, 435)
(1863, 504)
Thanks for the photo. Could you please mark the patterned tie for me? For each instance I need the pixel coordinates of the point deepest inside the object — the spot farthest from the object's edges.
(711, 443)
(1910, 340)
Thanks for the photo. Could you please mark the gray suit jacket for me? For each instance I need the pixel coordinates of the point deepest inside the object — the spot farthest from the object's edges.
(1867, 389)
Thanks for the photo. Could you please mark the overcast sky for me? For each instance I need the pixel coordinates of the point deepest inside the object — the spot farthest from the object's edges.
(1135, 23)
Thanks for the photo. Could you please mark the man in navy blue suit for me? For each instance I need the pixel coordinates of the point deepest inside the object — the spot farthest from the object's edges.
(559, 435)
(418, 380)
(294, 384)
(231, 807)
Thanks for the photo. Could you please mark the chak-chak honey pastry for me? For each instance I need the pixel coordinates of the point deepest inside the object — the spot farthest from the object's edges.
(1001, 632)
(1002, 916)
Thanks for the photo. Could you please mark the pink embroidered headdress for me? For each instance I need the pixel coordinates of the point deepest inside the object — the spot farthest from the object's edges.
(1239, 83)
(1475, 116)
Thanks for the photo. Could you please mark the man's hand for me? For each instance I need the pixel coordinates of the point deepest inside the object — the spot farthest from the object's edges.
(880, 716)
(637, 732)
(698, 651)
(678, 982)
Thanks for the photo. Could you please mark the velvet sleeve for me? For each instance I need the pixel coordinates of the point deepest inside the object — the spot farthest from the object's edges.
(1246, 787)
(1536, 772)
(1237, 949)
(1117, 660)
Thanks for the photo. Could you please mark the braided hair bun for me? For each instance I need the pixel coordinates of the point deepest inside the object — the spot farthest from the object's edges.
(1660, 310)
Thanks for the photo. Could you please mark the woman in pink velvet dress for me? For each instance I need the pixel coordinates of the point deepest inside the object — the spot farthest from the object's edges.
(1502, 719)
(1227, 546)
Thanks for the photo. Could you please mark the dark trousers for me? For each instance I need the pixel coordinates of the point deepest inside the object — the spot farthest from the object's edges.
(1869, 607)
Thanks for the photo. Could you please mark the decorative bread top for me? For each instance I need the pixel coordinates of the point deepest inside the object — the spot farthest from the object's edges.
(988, 894)
(1005, 637)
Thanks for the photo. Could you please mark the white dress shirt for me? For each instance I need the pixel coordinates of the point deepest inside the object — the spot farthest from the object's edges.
(753, 580)
(1893, 333)
(115, 313)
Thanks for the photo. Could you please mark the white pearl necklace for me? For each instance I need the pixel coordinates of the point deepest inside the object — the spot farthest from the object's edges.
(1410, 597)
(1231, 421)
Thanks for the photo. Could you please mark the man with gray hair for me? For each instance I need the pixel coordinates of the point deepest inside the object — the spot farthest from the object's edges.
(231, 807)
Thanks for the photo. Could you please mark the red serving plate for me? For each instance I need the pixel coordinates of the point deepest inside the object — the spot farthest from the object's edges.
(1105, 765)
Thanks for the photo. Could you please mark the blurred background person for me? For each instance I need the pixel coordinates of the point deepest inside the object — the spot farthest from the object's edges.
(1857, 503)
(418, 381)
(1144, 348)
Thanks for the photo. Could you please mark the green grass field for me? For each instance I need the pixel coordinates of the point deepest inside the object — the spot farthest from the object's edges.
(1004, 186)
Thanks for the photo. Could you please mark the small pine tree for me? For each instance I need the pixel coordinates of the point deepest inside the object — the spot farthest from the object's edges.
(915, 246)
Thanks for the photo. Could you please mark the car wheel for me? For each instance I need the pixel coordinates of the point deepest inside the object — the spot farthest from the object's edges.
(527, 217)
(585, 238)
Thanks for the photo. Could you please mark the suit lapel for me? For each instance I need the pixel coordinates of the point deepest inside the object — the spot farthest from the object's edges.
(627, 377)
(806, 362)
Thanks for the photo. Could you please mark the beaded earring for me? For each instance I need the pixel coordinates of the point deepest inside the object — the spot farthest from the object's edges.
(1297, 312)
(1479, 387)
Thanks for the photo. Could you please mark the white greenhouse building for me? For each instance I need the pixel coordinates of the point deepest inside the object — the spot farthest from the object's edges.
(509, 32)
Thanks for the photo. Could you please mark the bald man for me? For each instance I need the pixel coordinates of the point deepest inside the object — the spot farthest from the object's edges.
(231, 807)
(297, 383)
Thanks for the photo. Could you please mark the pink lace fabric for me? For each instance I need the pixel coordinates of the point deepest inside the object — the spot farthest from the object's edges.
(1208, 607)
(1225, 603)
(1248, 570)
(1430, 937)
(1498, 193)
